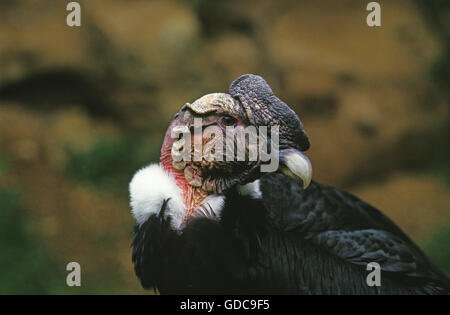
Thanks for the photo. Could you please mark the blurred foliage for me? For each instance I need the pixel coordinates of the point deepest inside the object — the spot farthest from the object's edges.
(220, 16)
(439, 165)
(110, 164)
(437, 14)
(26, 268)
(436, 248)
(3, 165)
(440, 70)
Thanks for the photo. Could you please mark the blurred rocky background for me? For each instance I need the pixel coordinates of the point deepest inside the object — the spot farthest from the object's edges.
(81, 109)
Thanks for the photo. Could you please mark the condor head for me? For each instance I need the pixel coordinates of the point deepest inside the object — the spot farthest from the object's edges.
(210, 146)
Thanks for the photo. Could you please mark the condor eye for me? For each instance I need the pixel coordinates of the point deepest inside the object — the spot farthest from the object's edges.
(228, 121)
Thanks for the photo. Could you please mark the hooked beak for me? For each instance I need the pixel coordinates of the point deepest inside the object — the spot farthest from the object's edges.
(296, 165)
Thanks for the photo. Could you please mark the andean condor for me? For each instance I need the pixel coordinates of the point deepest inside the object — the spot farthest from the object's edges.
(225, 227)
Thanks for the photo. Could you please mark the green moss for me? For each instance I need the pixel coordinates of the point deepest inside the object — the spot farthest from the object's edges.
(437, 248)
(110, 164)
(25, 268)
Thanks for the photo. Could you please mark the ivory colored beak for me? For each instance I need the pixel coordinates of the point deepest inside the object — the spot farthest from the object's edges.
(297, 165)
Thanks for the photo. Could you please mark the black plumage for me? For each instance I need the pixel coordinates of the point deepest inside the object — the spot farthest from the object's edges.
(292, 241)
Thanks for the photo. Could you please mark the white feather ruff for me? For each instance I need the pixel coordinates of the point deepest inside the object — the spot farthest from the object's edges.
(149, 188)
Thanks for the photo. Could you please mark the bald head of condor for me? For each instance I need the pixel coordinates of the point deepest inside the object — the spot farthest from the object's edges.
(213, 217)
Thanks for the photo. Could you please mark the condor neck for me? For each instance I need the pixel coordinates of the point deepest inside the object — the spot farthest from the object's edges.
(193, 196)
